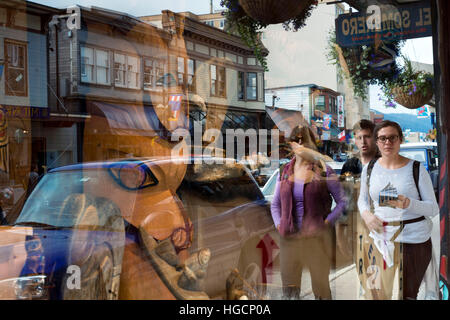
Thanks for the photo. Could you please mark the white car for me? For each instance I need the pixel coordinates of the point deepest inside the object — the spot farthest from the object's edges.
(269, 188)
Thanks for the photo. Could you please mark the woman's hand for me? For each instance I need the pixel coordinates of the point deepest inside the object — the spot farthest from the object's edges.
(372, 222)
(402, 202)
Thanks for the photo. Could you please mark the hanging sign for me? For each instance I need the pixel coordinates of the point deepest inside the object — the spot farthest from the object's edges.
(326, 121)
(385, 22)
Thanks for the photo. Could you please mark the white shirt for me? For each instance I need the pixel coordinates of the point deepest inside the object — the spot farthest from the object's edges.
(402, 180)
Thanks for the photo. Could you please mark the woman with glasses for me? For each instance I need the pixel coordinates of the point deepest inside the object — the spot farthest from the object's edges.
(397, 212)
(301, 210)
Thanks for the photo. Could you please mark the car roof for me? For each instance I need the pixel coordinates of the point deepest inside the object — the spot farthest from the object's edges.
(155, 160)
(408, 145)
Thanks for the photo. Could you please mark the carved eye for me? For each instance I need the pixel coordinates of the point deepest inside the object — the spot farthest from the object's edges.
(132, 175)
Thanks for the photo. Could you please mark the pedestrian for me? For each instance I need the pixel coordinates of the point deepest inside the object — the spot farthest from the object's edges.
(367, 148)
(397, 210)
(301, 210)
(351, 247)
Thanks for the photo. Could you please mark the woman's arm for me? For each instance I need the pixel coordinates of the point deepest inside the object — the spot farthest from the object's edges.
(372, 222)
(275, 206)
(336, 190)
(428, 206)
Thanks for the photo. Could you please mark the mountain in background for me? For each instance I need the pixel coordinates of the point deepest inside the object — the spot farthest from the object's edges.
(408, 121)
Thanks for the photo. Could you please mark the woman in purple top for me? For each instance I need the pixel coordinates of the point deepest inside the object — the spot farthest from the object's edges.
(301, 211)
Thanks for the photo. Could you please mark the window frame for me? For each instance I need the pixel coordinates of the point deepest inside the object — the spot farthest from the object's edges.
(138, 73)
(248, 86)
(241, 85)
(217, 81)
(95, 65)
(8, 67)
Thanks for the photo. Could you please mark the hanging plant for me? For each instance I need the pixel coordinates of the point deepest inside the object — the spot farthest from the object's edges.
(238, 22)
(365, 65)
(411, 88)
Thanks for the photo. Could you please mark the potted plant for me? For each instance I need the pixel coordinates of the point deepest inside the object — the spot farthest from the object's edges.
(248, 28)
(411, 88)
(364, 65)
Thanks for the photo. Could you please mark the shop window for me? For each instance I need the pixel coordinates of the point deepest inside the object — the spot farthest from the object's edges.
(95, 65)
(252, 85)
(16, 73)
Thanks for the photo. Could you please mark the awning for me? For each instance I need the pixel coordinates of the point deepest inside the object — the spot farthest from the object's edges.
(136, 120)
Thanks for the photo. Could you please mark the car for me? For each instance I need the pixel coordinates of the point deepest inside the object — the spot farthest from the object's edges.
(427, 154)
(123, 229)
(268, 189)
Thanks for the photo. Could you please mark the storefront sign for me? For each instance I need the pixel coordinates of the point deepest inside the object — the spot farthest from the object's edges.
(25, 112)
(341, 111)
(386, 22)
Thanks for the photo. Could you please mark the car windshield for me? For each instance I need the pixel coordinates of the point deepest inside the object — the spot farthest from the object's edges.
(414, 154)
(46, 203)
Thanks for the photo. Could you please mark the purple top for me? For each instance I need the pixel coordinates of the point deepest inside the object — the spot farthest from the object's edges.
(314, 222)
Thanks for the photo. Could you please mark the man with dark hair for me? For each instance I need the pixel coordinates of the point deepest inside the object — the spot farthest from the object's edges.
(363, 131)
(351, 171)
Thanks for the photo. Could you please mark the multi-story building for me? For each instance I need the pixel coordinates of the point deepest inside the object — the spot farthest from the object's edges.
(218, 69)
(23, 87)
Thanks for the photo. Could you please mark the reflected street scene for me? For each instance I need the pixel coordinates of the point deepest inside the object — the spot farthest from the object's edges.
(224, 150)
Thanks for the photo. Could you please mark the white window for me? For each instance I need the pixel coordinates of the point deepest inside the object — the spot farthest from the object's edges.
(120, 69)
(95, 65)
(133, 74)
(159, 72)
(102, 69)
(127, 71)
(148, 74)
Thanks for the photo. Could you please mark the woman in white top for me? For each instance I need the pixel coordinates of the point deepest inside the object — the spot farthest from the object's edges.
(404, 223)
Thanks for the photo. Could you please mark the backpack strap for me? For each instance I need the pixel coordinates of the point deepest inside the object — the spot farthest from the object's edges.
(369, 172)
(416, 167)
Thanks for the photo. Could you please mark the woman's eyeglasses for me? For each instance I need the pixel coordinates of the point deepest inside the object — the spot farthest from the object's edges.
(384, 139)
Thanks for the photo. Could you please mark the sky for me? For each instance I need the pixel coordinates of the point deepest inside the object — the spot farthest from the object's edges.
(138, 7)
(417, 49)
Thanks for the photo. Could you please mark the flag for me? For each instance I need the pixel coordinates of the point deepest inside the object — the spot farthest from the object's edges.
(175, 104)
(341, 136)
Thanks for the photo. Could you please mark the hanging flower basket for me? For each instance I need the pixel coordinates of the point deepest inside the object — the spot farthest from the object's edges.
(274, 11)
(410, 99)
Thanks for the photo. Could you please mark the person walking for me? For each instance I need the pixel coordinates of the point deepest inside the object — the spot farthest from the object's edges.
(354, 247)
(301, 210)
(397, 210)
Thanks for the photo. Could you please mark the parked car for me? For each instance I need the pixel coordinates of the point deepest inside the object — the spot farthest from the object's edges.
(427, 154)
(268, 189)
(121, 230)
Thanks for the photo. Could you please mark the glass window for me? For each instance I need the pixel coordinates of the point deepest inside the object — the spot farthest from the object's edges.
(95, 66)
(319, 102)
(191, 75)
(133, 72)
(241, 85)
(251, 85)
(102, 62)
(213, 74)
(159, 72)
(87, 64)
(119, 70)
(180, 71)
(148, 74)
(16, 68)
